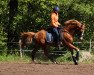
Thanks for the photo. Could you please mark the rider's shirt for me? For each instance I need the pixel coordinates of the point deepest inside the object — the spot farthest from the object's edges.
(54, 19)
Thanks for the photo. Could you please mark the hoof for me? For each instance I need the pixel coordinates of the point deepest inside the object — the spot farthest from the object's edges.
(33, 62)
(76, 63)
(55, 62)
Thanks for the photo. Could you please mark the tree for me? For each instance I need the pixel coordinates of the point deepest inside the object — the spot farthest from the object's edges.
(18, 16)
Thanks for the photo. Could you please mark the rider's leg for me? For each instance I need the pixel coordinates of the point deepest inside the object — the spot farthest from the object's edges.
(55, 30)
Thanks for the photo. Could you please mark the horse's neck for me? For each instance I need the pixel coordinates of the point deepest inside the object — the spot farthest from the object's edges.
(70, 30)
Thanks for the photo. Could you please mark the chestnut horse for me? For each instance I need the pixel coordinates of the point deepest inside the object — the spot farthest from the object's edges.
(67, 33)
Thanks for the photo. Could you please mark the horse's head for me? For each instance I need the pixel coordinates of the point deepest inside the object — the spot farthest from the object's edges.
(81, 31)
(77, 26)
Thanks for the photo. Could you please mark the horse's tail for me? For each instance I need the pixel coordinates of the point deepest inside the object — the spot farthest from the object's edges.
(25, 38)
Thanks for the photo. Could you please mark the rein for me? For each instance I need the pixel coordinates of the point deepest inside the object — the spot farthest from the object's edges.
(65, 31)
(62, 30)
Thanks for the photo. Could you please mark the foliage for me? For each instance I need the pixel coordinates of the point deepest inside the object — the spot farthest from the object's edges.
(32, 15)
(3, 44)
(3, 24)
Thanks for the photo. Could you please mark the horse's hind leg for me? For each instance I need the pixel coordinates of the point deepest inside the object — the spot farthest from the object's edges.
(48, 55)
(33, 54)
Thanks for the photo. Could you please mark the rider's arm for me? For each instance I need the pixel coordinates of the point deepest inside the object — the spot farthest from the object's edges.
(58, 23)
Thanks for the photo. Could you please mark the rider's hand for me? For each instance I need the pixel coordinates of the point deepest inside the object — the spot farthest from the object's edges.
(60, 26)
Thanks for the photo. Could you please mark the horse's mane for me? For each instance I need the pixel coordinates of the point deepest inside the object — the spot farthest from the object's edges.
(72, 22)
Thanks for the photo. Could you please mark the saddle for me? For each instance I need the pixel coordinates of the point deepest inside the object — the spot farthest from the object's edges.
(50, 36)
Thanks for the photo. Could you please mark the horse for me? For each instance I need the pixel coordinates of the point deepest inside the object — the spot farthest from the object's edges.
(67, 33)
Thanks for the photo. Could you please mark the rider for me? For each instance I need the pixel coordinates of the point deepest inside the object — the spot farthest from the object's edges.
(55, 23)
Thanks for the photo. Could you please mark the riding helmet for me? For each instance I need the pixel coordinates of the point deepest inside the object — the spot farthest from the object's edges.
(56, 8)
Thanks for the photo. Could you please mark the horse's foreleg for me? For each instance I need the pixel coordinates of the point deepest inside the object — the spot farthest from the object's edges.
(77, 51)
(75, 57)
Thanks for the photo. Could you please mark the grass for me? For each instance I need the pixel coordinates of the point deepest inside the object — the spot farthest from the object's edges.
(41, 58)
(14, 58)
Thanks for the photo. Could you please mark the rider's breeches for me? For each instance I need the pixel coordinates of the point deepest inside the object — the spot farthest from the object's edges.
(56, 33)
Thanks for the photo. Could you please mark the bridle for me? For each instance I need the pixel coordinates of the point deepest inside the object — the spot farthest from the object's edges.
(81, 31)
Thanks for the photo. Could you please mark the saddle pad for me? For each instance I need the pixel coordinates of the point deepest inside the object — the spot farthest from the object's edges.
(49, 37)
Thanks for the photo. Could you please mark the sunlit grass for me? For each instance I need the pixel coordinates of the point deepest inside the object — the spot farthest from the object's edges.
(41, 58)
(14, 58)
